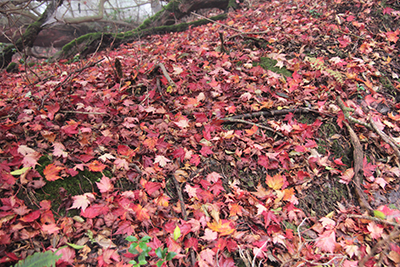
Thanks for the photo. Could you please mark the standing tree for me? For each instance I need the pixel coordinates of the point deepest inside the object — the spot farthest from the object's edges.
(28, 38)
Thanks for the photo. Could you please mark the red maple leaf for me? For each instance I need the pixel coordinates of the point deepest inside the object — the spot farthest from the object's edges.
(142, 214)
(179, 153)
(94, 211)
(96, 166)
(393, 36)
(34, 215)
(52, 109)
(206, 150)
(217, 188)
(51, 172)
(195, 160)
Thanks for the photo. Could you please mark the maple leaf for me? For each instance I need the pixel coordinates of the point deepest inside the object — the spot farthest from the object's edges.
(71, 128)
(276, 182)
(82, 201)
(94, 210)
(207, 258)
(347, 176)
(192, 191)
(59, 150)
(105, 185)
(217, 188)
(152, 187)
(121, 164)
(206, 150)
(375, 230)
(326, 241)
(51, 172)
(179, 153)
(393, 36)
(213, 177)
(344, 41)
(252, 131)
(388, 10)
(96, 166)
(162, 200)
(235, 209)
(50, 228)
(182, 123)
(34, 215)
(52, 109)
(142, 214)
(106, 157)
(126, 227)
(67, 254)
(224, 227)
(368, 168)
(209, 235)
(161, 160)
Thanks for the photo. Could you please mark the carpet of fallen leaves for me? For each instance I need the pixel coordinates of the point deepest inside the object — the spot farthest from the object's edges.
(165, 133)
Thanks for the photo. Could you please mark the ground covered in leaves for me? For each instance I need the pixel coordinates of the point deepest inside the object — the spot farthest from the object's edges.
(230, 144)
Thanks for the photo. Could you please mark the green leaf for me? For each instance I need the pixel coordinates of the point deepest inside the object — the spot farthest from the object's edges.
(171, 255)
(75, 246)
(143, 246)
(379, 214)
(177, 233)
(146, 239)
(159, 253)
(40, 259)
(20, 171)
(142, 259)
(133, 250)
(131, 238)
(159, 263)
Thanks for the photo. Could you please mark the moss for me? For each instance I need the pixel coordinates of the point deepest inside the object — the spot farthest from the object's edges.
(84, 38)
(319, 200)
(83, 182)
(270, 64)
(232, 4)
(339, 146)
(170, 7)
(12, 67)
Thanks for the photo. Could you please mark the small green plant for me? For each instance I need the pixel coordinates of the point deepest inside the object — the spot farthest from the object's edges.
(162, 254)
(314, 13)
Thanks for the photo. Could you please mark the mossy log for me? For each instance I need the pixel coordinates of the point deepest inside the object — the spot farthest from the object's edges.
(91, 42)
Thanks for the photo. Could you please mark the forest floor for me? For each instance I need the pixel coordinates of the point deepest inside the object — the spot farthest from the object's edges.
(268, 139)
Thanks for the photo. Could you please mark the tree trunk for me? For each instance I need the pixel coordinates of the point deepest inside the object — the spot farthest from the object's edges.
(176, 10)
(29, 37)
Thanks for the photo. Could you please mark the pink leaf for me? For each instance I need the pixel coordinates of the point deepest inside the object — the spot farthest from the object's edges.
(326, 241)
(105, 185)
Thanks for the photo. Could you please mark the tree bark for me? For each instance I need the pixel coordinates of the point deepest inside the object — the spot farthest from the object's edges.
(29, 37)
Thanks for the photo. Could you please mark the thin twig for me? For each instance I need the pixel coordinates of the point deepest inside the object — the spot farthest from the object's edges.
(83, 112)
(256, 124)
(184, 214)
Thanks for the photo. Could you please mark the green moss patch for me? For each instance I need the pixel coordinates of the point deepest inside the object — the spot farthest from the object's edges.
(270, 64)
